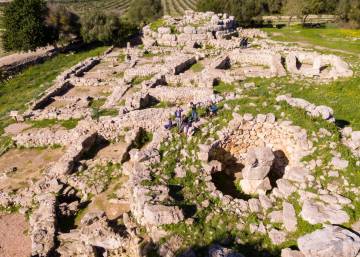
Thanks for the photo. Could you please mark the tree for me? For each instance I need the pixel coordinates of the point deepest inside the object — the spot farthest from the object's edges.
(144, 11)
(24, 24)
(216, 6)
(245, 11)
(64, 24)
(354, 13)
(349, 12)
(275, 6)
(105, 28)
(293, 8)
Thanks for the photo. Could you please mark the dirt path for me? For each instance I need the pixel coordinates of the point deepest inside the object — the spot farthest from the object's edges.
(18, 57)
(14, 241)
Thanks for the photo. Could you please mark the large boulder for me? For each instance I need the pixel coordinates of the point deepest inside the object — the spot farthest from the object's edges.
(289, 217)
(160, 215)
(258, 163)
(94, 231)
(332, 241)
(316, 212)
(257, 166)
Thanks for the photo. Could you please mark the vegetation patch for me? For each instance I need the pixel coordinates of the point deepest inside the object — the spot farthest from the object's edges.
(68, 124)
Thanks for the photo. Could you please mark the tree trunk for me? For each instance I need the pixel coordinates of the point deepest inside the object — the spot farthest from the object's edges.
(289, 21)
(304, 19)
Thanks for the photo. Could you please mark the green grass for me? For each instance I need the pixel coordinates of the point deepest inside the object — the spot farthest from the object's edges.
(165, 104)
(223, 87)
(157, 24)
(139, 79)
(197, 67)
(97, 103)
(342, 95)
(68, 124)
(329, 37)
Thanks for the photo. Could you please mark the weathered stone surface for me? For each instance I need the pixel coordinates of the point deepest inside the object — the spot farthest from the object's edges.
(162, 215)
(289, 217)
(297, 174)
(339, 163)
(318, 212)
(258, 163)
(287, 252)
(332, 241)
(277, 237)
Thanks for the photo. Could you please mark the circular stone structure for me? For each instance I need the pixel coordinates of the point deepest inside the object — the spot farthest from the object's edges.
(261, 149)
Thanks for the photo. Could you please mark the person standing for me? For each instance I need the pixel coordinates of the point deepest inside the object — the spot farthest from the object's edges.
(178, 117)
(194, 114)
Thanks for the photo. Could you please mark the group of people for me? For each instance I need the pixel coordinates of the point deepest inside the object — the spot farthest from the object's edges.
(184, 123)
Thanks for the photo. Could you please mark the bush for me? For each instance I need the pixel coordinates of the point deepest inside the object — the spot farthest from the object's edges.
(24, 24)
(142, 12)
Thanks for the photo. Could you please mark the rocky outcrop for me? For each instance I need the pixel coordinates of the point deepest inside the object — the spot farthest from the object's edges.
(162, 215)
(94, 231)
(351, 139)
(319, 212)
(321, 111)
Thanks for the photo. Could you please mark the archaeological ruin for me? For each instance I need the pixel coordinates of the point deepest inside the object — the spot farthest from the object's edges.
(118, 183)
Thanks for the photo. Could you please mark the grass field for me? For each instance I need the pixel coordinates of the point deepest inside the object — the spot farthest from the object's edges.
(342, 95)
(347, 40)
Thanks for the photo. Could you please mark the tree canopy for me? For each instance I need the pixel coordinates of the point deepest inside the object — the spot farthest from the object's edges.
(105, 28)
(247, 11)
(65, 25)
(144, 11)
(24, 24)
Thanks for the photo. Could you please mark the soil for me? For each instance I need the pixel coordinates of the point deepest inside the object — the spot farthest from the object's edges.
(29, 164)
(16, 128)
(113, 152)
(19, 57)
(85, 91)
(14, 239)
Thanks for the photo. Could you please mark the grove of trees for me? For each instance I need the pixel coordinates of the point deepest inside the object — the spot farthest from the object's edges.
(25, 27)
(247, 12)
(29, 24)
